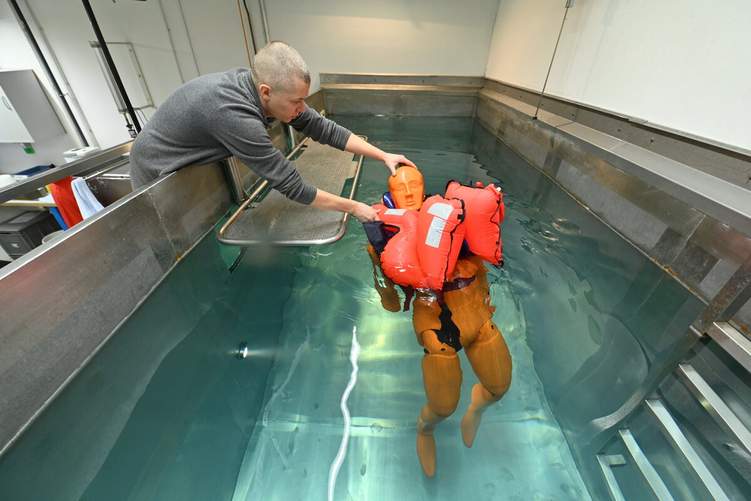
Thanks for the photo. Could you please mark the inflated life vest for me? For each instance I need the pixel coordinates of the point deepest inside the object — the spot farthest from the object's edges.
(399, 259)
(440, 236)
(484, 212)
(424, 250)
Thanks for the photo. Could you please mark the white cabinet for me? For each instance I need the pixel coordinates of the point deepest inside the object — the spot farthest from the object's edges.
(12, 128)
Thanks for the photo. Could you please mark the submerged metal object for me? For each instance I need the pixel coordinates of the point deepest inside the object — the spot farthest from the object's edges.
(242, 351)
(279, 221)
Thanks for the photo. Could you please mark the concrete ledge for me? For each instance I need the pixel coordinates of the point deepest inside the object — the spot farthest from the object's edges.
(400, 101)
(380, 87)
(394, 78)
(400, 95)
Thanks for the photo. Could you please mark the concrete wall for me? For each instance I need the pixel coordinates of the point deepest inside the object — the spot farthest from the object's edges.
(675, 64)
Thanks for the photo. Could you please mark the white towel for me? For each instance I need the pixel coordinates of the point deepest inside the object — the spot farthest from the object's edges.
(87, 202)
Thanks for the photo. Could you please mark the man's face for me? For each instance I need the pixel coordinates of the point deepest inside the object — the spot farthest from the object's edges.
(407, 188)
(284, 104)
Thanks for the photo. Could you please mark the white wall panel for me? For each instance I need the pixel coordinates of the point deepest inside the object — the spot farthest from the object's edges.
(390, 36)
(678, 64)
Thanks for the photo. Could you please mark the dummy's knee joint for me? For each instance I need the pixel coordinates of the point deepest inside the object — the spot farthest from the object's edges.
(497, 390)
(443, 410)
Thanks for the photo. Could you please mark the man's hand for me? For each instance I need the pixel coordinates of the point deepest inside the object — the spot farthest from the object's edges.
(393, 161)
(327, 201)
(363, 212)
(357, 145)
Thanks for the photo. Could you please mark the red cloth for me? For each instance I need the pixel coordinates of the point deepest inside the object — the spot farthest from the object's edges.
(66, 203)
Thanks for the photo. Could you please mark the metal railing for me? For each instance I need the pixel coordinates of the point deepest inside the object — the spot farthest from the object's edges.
(714, 323)
(259, 188)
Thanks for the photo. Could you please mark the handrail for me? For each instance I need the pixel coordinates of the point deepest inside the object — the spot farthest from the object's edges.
(733, 342)
(251, 198)
(680, 443)
(255, 194)
(653, 479)
(715, 405)
(114, 166)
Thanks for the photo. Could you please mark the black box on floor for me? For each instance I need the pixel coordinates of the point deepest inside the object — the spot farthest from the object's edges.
(21, 230)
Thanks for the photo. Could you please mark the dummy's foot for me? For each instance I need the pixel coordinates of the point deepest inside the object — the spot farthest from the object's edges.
(471, 420)
(426, 449)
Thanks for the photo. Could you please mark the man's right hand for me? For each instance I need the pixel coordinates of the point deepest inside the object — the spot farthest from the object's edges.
(363, 212)
(326, 201)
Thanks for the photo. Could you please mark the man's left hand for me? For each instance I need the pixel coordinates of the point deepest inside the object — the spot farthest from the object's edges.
(393, 161)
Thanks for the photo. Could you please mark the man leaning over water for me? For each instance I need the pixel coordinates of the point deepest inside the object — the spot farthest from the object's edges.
(222, 114)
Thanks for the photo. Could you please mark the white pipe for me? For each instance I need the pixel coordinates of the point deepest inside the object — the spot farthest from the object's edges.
(264, 20)
(187, 35)
(171, 41)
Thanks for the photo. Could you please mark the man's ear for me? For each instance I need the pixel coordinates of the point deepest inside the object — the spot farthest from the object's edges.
(264, 90)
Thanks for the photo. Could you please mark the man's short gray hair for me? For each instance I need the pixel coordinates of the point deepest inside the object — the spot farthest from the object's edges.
(278, 65)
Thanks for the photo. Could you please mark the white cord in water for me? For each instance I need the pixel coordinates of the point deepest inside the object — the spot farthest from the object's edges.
(339, 459)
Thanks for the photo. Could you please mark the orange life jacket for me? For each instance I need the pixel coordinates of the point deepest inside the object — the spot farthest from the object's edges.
(423, 252)
(399, 259)
(440, 236)
(484, 212)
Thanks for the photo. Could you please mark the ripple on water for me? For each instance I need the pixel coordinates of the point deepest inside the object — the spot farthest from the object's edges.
(566, 227)
(549, 235)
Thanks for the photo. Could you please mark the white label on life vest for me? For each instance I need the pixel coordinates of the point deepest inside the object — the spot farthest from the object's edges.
(395, 212)
(433, 238)
(442, 212)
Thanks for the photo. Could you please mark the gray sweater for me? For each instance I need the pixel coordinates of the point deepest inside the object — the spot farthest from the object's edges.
(218, 115)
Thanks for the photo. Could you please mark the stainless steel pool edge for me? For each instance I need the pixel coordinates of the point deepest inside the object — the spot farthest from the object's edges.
(63, 301)
(700, 250)
(400, 94)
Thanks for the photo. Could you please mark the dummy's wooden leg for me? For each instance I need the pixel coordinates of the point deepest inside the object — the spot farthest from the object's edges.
(491, 363)
(442, 376)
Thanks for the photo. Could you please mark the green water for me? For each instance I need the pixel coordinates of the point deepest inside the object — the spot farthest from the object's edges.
(165, 411)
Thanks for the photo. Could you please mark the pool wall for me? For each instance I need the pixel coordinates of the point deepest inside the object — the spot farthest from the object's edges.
(62, 301)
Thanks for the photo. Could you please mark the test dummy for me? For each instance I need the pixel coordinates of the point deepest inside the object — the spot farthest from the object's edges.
(459, 316)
